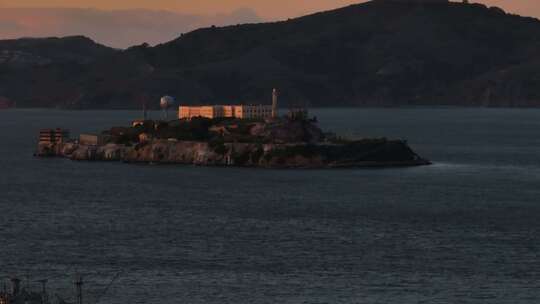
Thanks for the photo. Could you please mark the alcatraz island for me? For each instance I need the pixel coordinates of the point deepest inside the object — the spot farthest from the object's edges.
(229, 135)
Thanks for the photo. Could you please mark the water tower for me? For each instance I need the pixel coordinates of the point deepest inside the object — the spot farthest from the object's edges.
(165, 103)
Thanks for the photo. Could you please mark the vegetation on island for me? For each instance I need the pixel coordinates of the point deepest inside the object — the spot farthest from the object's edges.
(220, 130)
(289, 142)
(286, 142)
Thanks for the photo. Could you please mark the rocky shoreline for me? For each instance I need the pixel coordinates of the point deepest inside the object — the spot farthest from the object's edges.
(300, 155)
(290, 142)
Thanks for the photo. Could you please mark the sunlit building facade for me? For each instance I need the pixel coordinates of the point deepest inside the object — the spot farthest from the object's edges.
(231, 111)
(257, 111)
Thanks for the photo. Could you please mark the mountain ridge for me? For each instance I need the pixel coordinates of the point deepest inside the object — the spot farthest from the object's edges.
(115, 28)
(378, 53)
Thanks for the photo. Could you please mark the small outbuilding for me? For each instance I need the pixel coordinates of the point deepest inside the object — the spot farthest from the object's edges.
(92, 140)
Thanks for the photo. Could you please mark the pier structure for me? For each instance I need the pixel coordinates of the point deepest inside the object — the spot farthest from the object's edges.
(78, 289)
(22, 295)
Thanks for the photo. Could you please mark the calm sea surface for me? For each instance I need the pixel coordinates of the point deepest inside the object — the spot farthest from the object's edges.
(465, 230)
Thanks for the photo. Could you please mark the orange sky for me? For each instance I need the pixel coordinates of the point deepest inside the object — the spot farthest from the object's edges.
(270, 9)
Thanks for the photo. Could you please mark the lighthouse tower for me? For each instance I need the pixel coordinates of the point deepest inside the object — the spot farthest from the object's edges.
(274, 104)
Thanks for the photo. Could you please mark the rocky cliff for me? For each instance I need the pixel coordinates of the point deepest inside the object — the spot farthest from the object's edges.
(366, 153)
(294, 141)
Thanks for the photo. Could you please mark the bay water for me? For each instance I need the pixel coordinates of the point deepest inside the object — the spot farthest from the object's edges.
(463, 230)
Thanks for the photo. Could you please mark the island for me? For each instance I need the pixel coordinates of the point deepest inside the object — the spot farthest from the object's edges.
(293, 141)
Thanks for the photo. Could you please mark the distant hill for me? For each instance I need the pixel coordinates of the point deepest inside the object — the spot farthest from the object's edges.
(28, 52)
(379, 53)
(116, 28)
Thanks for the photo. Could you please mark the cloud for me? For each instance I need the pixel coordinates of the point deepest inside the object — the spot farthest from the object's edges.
(9, 26)
(116, 28)
(241, 15)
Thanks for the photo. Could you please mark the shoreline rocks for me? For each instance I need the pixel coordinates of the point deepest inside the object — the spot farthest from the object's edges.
(363, 153)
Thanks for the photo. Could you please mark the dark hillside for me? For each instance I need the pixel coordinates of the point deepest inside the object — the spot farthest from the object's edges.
(76, 49)
(380, 53)
(47, 72)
